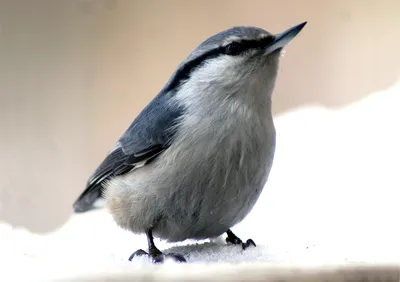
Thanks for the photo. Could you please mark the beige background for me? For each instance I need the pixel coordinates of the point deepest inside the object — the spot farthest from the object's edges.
(74, 74)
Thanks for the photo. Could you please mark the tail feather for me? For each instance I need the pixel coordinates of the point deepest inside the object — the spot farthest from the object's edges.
(88, 199)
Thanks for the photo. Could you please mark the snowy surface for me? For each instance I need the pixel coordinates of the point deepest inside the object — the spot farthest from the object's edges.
(332, 198)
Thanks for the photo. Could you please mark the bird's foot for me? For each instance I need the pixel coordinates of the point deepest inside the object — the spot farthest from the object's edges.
(157, 256)
(235, 240)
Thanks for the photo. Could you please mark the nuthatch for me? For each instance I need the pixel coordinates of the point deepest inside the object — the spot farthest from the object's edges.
(195, 160)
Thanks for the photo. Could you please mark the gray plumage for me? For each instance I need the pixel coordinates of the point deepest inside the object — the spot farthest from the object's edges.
(195, 160)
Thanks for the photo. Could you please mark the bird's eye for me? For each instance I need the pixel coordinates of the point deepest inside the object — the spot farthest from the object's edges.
(233, 49)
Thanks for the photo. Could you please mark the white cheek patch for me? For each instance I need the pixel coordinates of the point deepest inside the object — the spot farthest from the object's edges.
(219, 68)
(219, 71)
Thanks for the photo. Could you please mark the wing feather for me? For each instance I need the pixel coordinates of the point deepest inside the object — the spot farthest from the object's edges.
(147, 137)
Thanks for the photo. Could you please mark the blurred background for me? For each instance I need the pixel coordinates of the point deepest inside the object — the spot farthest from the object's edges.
(74, 74)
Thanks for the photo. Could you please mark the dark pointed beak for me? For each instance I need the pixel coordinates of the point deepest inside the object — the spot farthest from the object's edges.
(283, 38)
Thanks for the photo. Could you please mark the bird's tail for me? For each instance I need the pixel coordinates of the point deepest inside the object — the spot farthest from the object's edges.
(91, 198)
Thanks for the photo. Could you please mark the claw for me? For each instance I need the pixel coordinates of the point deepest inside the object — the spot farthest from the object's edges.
(138, 253)
(233, 239)
(176, 257)
(155, 254)
(248, 243)
(158, 257)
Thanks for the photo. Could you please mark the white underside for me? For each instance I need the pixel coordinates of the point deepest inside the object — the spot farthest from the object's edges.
(332, 197)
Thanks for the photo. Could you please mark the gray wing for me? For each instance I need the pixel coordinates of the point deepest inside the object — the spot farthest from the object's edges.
(148, 136)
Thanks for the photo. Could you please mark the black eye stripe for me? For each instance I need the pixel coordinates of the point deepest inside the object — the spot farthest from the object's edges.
(253, 44)
(184, 71)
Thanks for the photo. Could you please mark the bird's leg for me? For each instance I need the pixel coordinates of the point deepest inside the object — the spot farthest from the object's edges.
(235, 240)
(155, 254)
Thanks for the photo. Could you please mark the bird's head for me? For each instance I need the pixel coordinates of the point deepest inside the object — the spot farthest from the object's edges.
(232, 59)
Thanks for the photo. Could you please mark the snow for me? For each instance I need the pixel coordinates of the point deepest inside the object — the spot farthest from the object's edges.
(332, 198)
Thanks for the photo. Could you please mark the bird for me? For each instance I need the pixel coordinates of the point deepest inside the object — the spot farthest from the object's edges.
(195, 160)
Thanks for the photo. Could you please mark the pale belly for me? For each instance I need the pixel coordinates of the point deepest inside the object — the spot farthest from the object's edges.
(194, 194)
(213, 194)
